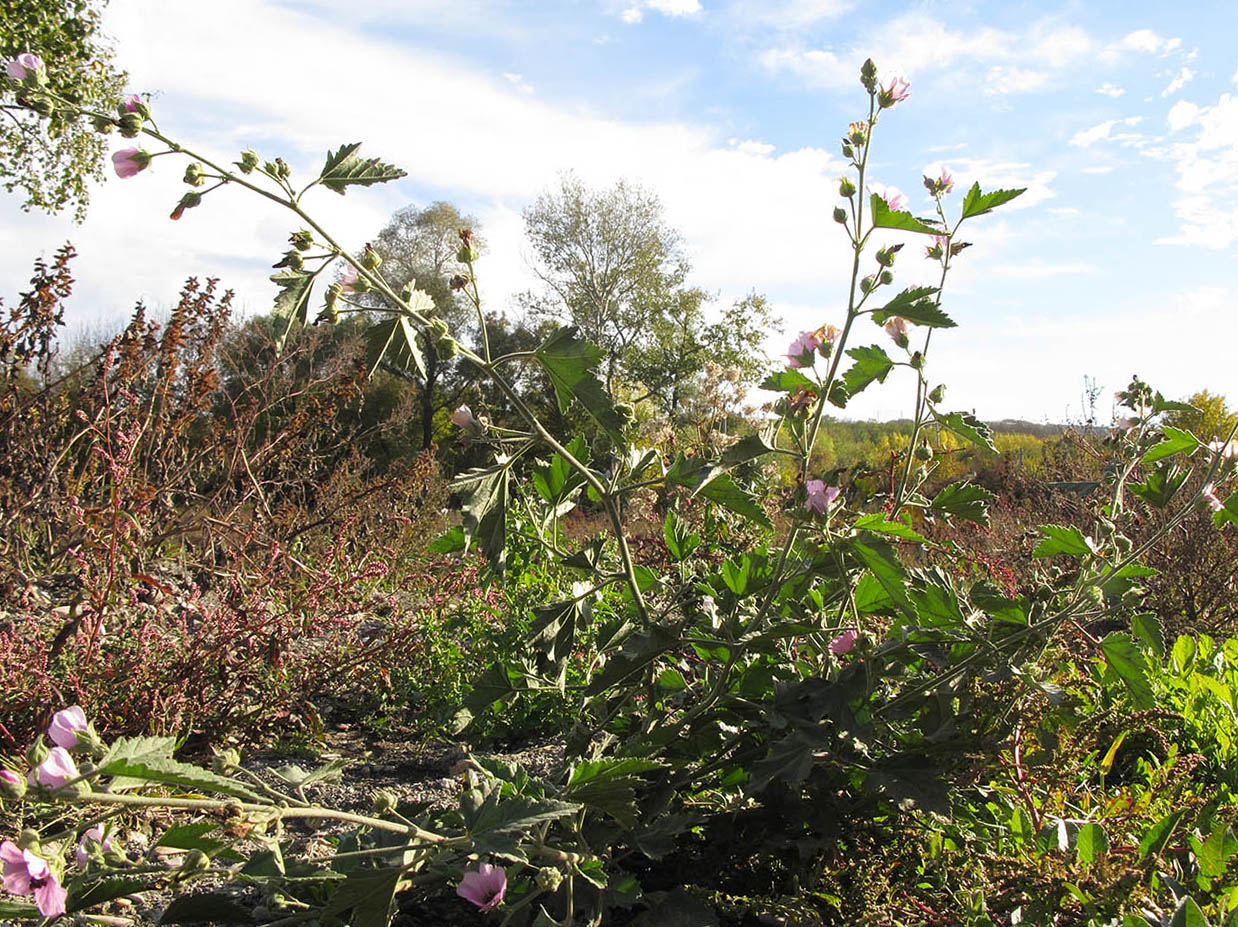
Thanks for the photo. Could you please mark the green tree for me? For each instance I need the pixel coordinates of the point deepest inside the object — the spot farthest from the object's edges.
(1212, 422)
(51, 161)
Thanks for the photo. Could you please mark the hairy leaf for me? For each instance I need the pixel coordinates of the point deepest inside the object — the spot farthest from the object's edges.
(886, 218)
(1126, 659)
(965, 500)
(571, 361)
(977, 203)
(969, 428)
(871, 363)
(1063, 539)
(484, 512)
(344, 169)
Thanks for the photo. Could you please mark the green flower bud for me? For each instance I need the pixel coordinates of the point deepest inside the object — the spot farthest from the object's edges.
(447, 348)
(840, 215)
(846, 188)
(439, 328)
(249, 160)
(548, 879)
(885, 257)
(195, 176)
(868, 75)
(29, 840)
(37, 752)
(887, 277)
(917, 361)
(868, 284)
(383, 802)
(130, 125)
(282, 170)
(103, 124)
(226, 760)
(195, 861)
(302, 240)
(924, 452)
(329, 314)
(370, 259)
(938, 393)
(12, 785)
(467, 253)
(188, 201)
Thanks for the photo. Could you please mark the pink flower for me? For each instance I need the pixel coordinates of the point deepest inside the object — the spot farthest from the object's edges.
(131, 103)
(54, 771)
(1210, 497)
(94, 835)
(937, 249)
(843, 643)
(26, 874)
(463, 418)
(820, 496)
(130, 161)
(894, 92)
(893, 197)
(23, 66)
(1227, 451)
(485, 887)
(896, 328)
(65, 725)
(348, 282)
(11, 785)
(802, 349)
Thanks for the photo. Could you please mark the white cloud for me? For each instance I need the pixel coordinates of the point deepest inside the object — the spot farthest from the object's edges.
(1037, 270)
(1110, 90)
(632, 15)
(518, 81)
(1003, 80)
(1099, 169)
(1065, 211)
(790, 15)
(674, 8)
(1183, 77)
(1085, 138)
(1207, 203)
(1182, 114)
(1145, 40)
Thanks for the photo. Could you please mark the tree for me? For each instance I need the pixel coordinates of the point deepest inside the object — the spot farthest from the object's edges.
(419, 246)
(618, 272)
(610, 262)
(1212, 422)
(52, 160)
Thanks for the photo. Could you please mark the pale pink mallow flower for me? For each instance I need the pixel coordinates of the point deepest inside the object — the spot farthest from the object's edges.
(24, 65)
(12, 785)
(131, 102)
(896, 328)
(65, 726)
(896, 91)
(1210, 497)
(820, 496)
(843, 643)
(802, 350)
(893, 196)
(54, 771)
(94, 835)
(130, 161)
(348, 282)
(485, 887)
(1228, 451)
(26, 874)
(463, 418)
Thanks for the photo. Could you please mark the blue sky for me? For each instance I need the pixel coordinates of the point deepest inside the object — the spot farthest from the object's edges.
(1120, 118)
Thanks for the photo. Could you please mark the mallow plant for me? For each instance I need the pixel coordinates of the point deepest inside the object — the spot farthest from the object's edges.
(830, 666)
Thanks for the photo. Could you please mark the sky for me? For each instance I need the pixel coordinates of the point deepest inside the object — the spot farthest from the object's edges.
(1121, 119)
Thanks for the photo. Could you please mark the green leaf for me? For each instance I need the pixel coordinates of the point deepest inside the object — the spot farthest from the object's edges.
(1147, 628)
(296, 776)
(17, 911)
(679, 541)
(173, 772)
(735, 574)
(1213, 854)
(1063, 539)
(494, 814)
(1228, 513)
(871, 363)
(205, 908)
(570, 361)
(450, 542)
(1161, 485)
(609, 785)
(881, 560)
(913, 785)
(1188, 914)
(1126, 659)
(86, 894)
(344, 169)
(964, 500)
(592, 871)
(194, 837)
(485, 492)
(915, 306)
(788, 381)
(977, 203)
(1175, 442)
(292, 300)
(886, 218)
(711, 481)
(1091, 844)
(969, 428)
(395, 341)
(638, 651)
(495, 683)
(879, 524)
(369, 894)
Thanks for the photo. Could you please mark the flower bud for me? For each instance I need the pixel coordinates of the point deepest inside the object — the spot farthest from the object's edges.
(868, 284)
(42, 105)
(195, 861)
(447, 348)
(188, 201)
(938, 393)
(458, 281)
(887, 277)
(924, 452)
(917, 361)
(848, 151)
(137, 104)
(12, 786)
(370, 259)
(329, 314)
(439, 328)
(130, 125)
(29, 840)
(857, 133)
(846, 188)
(885, 257)
(292, 258)
(37, 752)
(302, 240)
(868, 75)
(383, 802)
(226, 760)
(548, 879)
(249, 160)
(195, 176)
(840, 215)
(282, 170)
(103, 124)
